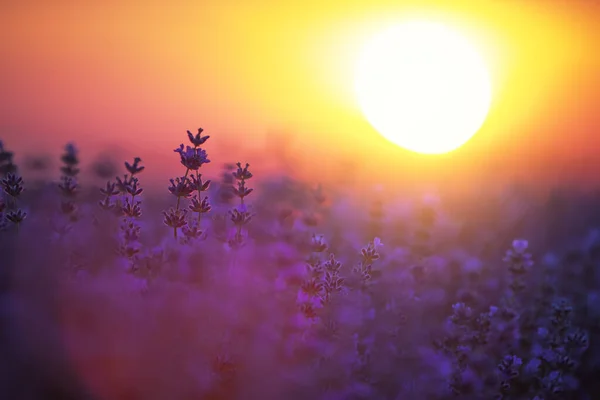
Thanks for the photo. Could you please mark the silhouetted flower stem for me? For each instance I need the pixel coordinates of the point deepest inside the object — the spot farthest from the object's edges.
(187, 171)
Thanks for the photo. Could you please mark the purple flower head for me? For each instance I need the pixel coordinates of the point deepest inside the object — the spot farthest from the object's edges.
(70, 161)
(237, 240)
(193, 231)
(461, 314)
(333, 282)
(110, 190)
(199, 183)
(70, 156)
(131, 209)
(192, 158)
(12, 185)
(68, 186)
(132, 187)
(16, 216)
(310, 288)
(240, 218)
(369, 254)
(130, 231)
(518, 258)
(175, 218)
(510, 366)
(135, 168)
(198, 206)
(520, 245)
(122, 184)
(198, 139)
(241, 191)
(317, 244)
(181, 187)
(242, 173)
(332, 264)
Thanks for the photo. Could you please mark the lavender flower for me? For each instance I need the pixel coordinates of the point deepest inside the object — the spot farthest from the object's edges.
(16, 216)
(198, 139)
(201, 186)
(518, 258)
(200, 207)
(317, 244)
(242, 174)
(134, 168)
(175, 218)
(12, 185)
(68, 185)
(192, 157)
(240, 216)
(70, 160)
(181, 187)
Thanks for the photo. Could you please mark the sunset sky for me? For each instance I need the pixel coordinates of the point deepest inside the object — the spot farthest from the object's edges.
(138, 74)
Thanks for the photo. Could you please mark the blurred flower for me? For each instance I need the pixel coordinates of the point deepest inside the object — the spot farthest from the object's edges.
(110, 189)
(240, 218)
(70, 161)
(517, 257)
(134, 168)
(317, 244)
(461, 314)
(174, 218)
(16, 216)
(68, 186)
(193, 231)
(510, 366)
(12, 185)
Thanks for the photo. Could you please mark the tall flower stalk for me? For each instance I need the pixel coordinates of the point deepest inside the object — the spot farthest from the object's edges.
(12, 186)
(240, 216)
(68, 186)
(131, 210)
(192, 158)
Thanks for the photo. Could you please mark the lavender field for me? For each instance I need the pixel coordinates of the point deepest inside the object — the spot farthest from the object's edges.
(217, 287)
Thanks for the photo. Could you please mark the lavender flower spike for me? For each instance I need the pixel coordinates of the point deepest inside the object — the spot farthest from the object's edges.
(192, 158)
(198, 139)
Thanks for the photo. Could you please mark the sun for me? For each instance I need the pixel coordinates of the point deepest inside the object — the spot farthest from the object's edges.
(423, 87)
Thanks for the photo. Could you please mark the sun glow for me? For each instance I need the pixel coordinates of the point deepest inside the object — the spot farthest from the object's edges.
(423, 87)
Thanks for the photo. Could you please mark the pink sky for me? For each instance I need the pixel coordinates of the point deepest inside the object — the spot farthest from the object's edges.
(139, 74)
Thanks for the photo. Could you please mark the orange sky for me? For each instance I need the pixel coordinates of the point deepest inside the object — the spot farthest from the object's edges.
(141, 73)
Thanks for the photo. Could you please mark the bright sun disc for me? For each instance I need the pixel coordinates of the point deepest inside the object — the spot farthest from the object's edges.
(423, 87)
